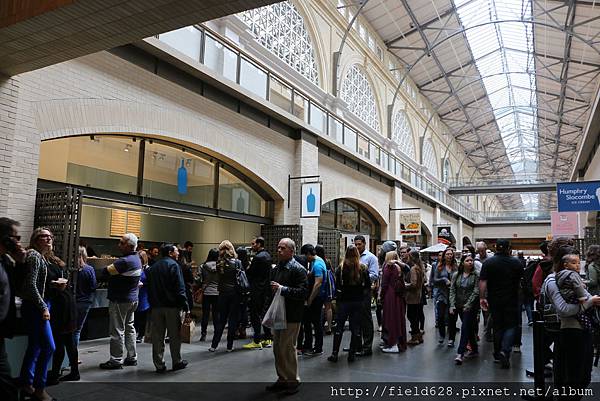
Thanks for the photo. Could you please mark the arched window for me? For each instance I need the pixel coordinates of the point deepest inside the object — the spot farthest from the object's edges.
(402, 134)
(447, 171)
(430, 159)
(358, 95)
(280, 28)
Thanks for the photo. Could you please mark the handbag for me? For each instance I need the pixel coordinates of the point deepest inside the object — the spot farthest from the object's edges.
(187, 330)
(275, 317)
(198, 295)
(242, 283)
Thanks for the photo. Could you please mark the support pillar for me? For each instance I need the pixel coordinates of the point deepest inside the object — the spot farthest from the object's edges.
(459, 234)
(394, 218)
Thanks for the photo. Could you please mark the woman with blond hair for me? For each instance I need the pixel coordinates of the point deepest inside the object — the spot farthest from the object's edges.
(352, 286)
(393, 292)
(228, 304)
(35, 311)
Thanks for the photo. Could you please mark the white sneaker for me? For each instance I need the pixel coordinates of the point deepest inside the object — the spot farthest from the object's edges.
(391, 350)
(211, 349)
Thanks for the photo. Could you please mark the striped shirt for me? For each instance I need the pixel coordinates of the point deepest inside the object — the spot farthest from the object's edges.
(124, 278)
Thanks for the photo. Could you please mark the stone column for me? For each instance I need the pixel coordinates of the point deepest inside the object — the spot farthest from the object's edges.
(394, 223)
(19, 155)
(459, 234)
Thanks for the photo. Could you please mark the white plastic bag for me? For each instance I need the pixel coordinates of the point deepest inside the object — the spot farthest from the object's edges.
(275, 316)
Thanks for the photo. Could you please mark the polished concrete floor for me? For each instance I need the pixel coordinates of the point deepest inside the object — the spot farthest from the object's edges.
(430, 362)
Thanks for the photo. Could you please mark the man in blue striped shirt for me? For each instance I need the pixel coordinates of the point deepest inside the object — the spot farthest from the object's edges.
(123, 283)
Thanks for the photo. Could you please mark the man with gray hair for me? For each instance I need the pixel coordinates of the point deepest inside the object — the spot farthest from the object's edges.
(123, 283)
(290, 277)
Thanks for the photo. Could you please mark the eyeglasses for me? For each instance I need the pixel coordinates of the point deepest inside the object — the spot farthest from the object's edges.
(16, 237)
(48, 236)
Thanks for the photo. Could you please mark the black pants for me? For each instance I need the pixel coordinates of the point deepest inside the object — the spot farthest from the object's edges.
(229, 312)
(378, 313)
(140, 319)
(421, 314)
(452, 319)
(259, 303)
(349, 311)
(366, 325)
(313, 321)
(65, 341)
(209, 304)
(442, 309)
(412, 313)
(573, 358)
(8, 389)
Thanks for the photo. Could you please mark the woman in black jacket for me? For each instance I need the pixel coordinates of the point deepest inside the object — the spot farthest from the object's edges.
(229, 299)
(352, 286)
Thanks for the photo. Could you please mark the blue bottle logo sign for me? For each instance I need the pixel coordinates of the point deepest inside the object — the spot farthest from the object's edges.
(311, 202)
(182, 178)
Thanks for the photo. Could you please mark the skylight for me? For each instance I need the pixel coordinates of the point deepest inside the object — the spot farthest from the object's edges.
(503, 55)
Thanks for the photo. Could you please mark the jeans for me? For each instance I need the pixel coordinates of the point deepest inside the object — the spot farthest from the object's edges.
(528, 305)
(442, 317)
(259, 303)
(468, 330)
(505, 324)
(351, 311)
(82, 311)
(209, 304)
(122, 330)
(229, 312)
(40, 346)
(313, 320)
(366, 325)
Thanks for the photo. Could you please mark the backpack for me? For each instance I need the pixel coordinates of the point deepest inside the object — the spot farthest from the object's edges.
(527, 278)
(547, 309)
(242, 284)
(329, 285)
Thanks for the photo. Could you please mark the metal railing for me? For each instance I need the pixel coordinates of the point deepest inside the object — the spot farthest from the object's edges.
(501, 180)
(225, 58)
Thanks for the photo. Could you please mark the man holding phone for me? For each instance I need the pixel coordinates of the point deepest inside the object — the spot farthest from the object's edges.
(11, 253)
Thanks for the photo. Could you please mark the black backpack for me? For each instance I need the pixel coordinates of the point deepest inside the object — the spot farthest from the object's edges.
(242, 285)
(547, 309)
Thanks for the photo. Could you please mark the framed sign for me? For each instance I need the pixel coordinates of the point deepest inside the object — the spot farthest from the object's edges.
(564, 224)
(579, 196)
(410, 222)
(310, 199)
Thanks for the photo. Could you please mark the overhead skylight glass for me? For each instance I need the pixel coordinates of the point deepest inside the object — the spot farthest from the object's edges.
(503, 54)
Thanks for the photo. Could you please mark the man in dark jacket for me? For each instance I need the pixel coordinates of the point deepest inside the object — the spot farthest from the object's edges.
(166, 293)
(9, 245)
(291, 277)
(260, 293)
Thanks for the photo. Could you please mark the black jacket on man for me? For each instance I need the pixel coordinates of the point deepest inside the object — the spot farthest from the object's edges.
(165, 285)
(8, 310)
(259, 271)
(292, 275)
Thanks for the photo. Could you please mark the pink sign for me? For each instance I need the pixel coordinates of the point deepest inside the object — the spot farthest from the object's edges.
(565, 223)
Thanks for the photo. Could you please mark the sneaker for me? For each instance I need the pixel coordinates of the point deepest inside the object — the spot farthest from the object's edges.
(459, 359)
(441, 341)
(379, 329)
(267, 343)
(471, 354)
(180, 365)
(530, 324)
(315, 353)
(450, 343)
(252, 345)
(111, 365)
(332, 358)
(130, 362)
(162, 369)
(211, 349)
(71, 377)
(516, 349)
(229, 349)
(390, 350)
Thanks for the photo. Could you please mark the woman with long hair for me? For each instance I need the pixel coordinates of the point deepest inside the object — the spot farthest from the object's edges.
(464, 303)
(210, 291)
(228, 305)
(414, 300)
(64, 320)
(352, 286)
(393, 292)
(442, 277)
(243, 321)
(35, 310)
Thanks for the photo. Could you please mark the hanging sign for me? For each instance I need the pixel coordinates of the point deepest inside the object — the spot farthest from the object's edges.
(310, 199)
(182, 179)
(444, 235)
(410, 222)
(564, 224)
(580, 196)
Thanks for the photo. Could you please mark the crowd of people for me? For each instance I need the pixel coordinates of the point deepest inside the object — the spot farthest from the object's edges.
(151, 292)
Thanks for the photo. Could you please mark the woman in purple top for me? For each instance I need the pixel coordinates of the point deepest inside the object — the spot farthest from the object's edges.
(84, 292)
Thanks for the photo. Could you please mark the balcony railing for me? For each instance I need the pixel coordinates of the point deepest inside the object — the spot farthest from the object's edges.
(229, 61)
